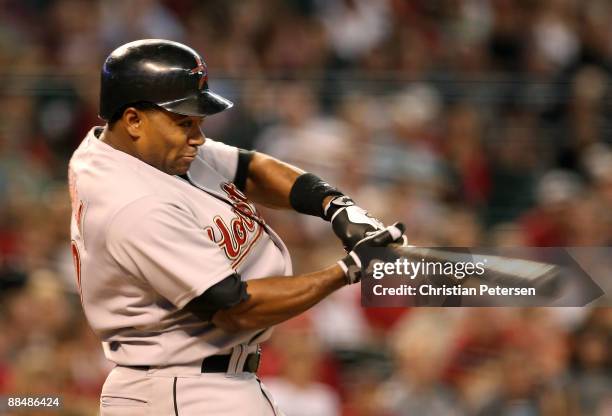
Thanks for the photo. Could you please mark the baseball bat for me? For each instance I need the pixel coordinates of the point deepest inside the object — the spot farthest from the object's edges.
(498, 270)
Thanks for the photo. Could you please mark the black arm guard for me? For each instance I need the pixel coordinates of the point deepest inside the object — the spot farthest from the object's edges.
(308, 192)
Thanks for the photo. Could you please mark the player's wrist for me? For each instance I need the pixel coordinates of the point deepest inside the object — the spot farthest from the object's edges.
(335, 205)
(327, 202)
(358, 260)
(351, 267)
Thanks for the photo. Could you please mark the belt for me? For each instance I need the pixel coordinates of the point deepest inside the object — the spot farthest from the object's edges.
(217, 364)
(220, 363)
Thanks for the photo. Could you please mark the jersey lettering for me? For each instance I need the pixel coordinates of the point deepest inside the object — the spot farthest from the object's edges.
(233, 192)
(230, 243)
(241, 205)
(234, 238)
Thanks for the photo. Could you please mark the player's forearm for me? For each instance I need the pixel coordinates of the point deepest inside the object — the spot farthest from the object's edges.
(276, 299)
(269, 181)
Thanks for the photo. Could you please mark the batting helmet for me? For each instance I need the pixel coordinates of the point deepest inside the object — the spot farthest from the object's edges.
(161, 72)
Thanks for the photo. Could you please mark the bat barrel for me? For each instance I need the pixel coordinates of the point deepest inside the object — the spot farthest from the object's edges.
(498, 270)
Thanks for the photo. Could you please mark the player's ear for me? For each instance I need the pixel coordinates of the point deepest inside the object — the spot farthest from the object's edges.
(133, 120)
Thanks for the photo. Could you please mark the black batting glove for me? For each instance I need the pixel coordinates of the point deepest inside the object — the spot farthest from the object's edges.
(359, 259)
(350, 222)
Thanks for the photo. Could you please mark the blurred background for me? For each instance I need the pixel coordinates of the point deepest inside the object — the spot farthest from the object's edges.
(475, 122)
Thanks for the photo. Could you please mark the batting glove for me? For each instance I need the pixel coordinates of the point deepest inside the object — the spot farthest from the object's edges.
(358, 260)
(350, 222)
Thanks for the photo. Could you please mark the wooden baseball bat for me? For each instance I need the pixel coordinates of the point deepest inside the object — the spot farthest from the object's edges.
(498, 270)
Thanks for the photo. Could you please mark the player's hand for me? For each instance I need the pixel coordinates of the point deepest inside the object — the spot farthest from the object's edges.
(350, 222)
(355, 262)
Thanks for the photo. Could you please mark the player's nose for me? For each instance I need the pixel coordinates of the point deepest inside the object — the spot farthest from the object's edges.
(197, 139)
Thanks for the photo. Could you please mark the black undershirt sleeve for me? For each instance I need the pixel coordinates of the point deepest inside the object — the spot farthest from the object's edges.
(242, 171)
(223, 295)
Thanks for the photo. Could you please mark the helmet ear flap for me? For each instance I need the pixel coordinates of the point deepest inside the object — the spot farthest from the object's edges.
(159, 72)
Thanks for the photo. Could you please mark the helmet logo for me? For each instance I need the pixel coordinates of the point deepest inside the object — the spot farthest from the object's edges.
(202, 70)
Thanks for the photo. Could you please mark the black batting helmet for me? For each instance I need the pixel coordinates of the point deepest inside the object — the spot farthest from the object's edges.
(161, 72)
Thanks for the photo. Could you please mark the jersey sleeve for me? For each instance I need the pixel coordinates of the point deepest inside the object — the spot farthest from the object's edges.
(222, 157)
(162, 244)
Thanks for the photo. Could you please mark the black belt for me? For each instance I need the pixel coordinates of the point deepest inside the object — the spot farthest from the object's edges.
(220, 363)
(217, 364)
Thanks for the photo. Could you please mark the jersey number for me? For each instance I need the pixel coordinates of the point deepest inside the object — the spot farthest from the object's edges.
(76, 258)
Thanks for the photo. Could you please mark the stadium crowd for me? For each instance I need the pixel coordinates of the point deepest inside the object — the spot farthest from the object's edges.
(475, 122)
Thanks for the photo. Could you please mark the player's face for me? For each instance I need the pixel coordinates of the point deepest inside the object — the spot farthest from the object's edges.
(170, 141)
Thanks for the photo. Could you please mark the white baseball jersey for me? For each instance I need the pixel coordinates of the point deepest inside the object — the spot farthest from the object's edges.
(145, 243)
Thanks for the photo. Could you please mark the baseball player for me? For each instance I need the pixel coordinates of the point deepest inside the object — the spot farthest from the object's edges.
(178, 274)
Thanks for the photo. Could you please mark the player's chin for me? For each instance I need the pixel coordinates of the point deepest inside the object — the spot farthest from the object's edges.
(182, 170)
(181, 167)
